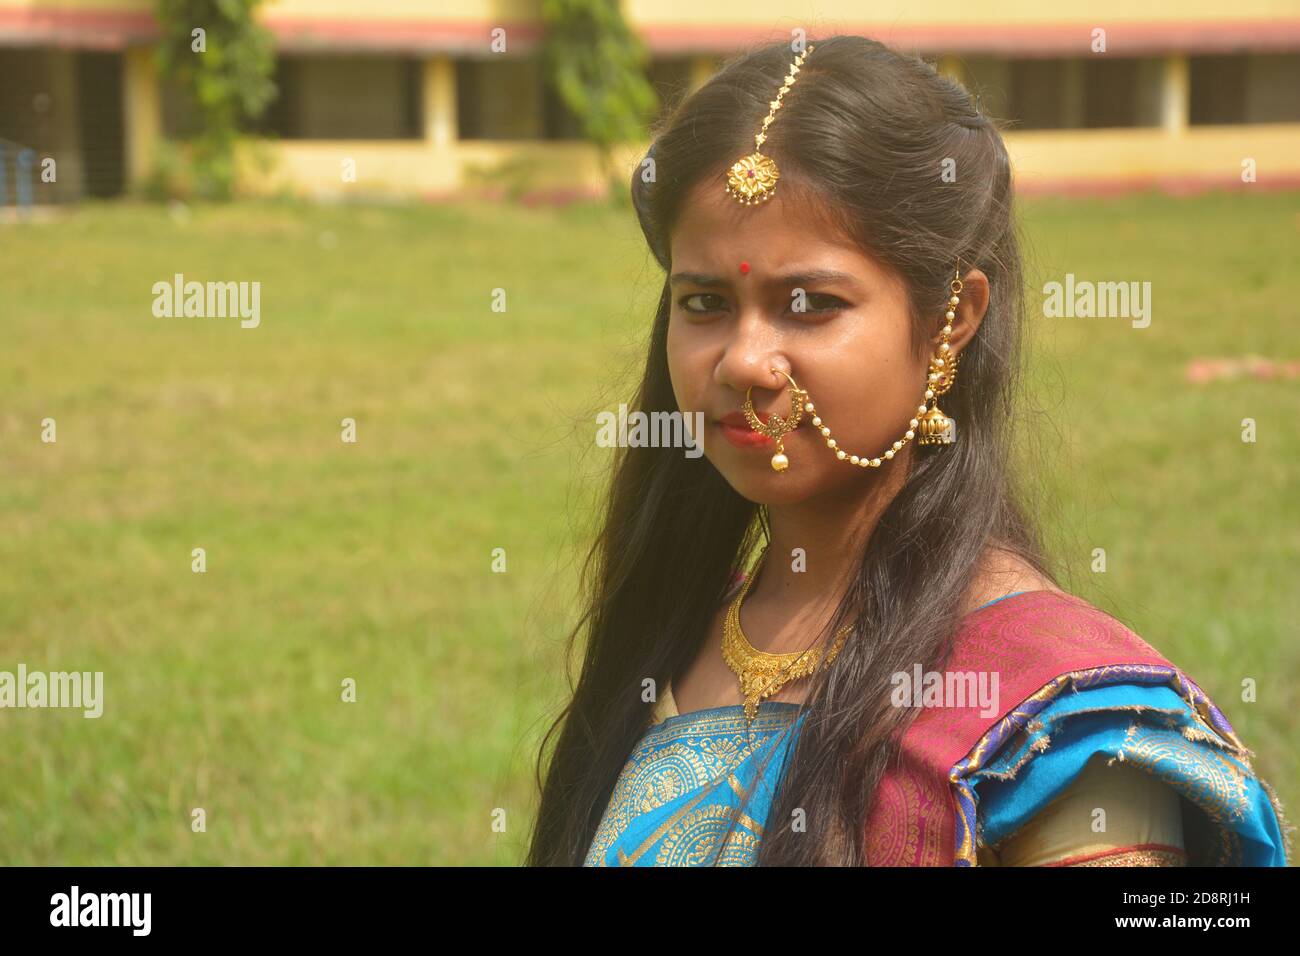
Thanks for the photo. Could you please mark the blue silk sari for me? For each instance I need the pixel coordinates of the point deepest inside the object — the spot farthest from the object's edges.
(684, 785)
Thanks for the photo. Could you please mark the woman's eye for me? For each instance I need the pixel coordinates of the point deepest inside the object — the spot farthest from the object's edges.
(819, 302)
(693, 303)
(812, 303)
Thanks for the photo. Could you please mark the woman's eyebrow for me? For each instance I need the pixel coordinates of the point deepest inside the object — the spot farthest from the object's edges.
(697, 278)
(812, 277)
(801, 278)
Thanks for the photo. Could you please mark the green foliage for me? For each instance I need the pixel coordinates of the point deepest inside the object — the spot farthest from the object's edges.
(597, 65)
(226, 75)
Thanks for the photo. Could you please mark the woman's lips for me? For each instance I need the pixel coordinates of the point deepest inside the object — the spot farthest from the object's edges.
(735, 429)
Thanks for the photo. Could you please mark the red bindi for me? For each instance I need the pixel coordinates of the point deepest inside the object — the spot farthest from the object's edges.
(744, 268)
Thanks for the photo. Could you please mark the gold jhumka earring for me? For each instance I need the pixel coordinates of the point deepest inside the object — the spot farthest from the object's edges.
(936, 427)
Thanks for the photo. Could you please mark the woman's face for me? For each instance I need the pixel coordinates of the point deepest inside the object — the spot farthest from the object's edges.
(849, 348)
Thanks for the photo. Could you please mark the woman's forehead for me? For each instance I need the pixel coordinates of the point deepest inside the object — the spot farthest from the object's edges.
(793, 226)
(791, 220)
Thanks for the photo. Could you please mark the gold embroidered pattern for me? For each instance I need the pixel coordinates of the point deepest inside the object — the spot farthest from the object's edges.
(1136, 858)
(674, 758)
(695, 841)
(1214, 783)
(1013, 725)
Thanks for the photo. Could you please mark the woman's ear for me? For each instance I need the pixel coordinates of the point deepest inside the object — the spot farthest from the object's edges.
(973, 304)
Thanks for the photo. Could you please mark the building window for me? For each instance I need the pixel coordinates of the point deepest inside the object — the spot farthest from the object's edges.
(345, 97)
(1068, 93)
(1111, 92)
(1037, 93)
(1245, 89)
(499, 99)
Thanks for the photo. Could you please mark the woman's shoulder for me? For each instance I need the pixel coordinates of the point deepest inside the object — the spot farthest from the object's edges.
(1003, 573)
(1053, 629)
(1015, 611)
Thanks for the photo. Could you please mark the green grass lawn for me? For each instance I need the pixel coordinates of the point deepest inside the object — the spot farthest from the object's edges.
(476, 429)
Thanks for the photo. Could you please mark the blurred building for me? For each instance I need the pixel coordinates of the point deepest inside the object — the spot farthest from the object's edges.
(413, 94)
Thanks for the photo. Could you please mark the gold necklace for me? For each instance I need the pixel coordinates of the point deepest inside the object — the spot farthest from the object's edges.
(762, 674)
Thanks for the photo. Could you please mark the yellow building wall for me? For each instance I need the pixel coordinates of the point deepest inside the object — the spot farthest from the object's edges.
(757, 14)
(141, 112)
(1044, 161)
(439, 164)
(948, 12)
(315, 169)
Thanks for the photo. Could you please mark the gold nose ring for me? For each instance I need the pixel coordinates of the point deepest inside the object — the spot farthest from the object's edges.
(777, 427)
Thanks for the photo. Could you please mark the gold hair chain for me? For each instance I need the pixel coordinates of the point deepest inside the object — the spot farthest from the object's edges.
(752, 179)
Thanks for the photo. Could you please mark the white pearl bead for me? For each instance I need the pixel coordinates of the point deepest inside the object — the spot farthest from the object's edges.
(840, 454)
(817, 422)
(852, 458)
(910, 434)
(929, 393)
(890, 453)
(913, 423)
(830, 443)
(826, 432)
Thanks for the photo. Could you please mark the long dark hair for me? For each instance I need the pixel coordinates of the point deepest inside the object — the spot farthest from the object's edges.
(869, 129)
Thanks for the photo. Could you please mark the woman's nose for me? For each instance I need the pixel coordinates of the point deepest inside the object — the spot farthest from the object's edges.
(760, 368)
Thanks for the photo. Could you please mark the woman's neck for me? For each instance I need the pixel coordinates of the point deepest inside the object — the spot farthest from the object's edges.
(832, 531)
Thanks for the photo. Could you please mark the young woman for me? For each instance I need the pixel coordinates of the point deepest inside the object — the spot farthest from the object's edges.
(907, 684)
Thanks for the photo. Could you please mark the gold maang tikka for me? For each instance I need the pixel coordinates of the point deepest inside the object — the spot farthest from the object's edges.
(752, 179)
(930, 423)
